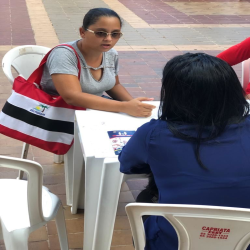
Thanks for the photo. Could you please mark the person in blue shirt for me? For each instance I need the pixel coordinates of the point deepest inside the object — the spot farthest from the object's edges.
(198, 150)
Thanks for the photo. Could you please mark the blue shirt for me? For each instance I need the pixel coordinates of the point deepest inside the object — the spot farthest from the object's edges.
(179, 177)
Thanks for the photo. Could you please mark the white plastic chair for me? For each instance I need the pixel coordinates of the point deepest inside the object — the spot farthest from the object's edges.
(25, 59)
(245, 73)
(26, 205)
(197, 227)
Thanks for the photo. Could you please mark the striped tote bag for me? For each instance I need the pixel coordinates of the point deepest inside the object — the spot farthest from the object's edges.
(37, 118)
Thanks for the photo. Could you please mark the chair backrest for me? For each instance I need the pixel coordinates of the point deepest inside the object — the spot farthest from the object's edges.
(197, 227)
(24, 59)
(34, 188)
(245, 73)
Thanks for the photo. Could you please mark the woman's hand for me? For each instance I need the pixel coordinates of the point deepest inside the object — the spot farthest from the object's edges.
(70, 90)
(135, 107)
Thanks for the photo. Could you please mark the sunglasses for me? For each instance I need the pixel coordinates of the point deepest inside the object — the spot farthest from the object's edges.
(103, 34)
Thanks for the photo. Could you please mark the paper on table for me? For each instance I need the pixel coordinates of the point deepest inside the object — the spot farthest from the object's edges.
(119, 138)
(104, 147)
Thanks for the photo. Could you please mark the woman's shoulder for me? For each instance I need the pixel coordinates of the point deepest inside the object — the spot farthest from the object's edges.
(66, 48)
(152, 125)
(62, 57)
(62, 53)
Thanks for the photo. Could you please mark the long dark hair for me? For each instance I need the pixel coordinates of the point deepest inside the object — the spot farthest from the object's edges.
(93, 16)
(202, 90)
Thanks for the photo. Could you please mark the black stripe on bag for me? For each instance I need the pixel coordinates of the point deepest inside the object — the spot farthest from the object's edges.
(38, 121)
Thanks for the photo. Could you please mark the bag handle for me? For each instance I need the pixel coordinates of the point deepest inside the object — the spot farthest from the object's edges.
(36, 76)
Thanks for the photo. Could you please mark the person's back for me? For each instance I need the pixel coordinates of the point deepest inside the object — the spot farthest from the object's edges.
(199, 150)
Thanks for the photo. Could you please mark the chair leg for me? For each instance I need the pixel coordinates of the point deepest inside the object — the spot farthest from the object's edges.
(17, 239)
(58, 158)
(25, 151)
(61, 229)
(68, 169)
(20, 175)
(23, 156)
(1, 231)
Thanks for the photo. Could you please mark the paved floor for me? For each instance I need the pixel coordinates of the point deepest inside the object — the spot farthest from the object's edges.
(155, 31)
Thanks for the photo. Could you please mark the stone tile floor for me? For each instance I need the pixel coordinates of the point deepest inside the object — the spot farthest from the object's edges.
(155, 31)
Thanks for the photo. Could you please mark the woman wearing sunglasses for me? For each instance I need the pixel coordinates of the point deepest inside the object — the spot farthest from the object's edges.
(99, 33)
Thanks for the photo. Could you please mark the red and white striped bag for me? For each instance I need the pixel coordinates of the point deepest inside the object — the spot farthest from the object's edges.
(37, 118)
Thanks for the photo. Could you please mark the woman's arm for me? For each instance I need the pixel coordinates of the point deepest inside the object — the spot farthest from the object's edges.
(68, 87)
(237, 53)
(134, 156)
(118, 92)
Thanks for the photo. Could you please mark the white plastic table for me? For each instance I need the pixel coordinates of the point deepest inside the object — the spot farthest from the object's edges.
(93, 179)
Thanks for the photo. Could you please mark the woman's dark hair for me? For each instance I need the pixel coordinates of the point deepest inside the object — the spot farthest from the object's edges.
(202, 90)
(93, 16)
